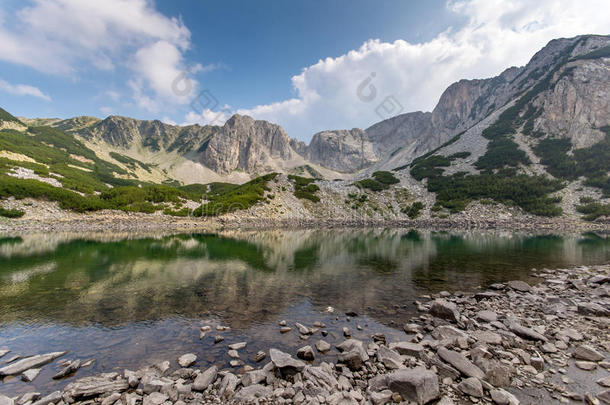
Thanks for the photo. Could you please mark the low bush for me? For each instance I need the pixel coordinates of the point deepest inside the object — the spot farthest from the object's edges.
(594, 210)
(11, 213)
(414, 210)
(381, 180)
(236, 198)
(304, 188)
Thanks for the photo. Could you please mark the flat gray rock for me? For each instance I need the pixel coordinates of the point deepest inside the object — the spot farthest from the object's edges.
(526, 333)
(460, 362)
(487, 316)
(30, 375)
(519, 285)
(285, 362)
(586, 352)
(408, 348)
(94, 386)
(238, 346)
(53, 397)
(29, 362)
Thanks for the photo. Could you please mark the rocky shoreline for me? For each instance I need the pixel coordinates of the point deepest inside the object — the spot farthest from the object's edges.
(129, 222)
(512, 343)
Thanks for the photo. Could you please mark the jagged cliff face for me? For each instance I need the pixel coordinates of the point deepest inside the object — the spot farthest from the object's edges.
(342, 150)
(578, 105)
(247, 144)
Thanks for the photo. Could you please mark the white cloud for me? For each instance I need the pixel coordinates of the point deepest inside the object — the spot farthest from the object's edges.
(66, 36)
(23, 90)
(498, 34)
(106, 110)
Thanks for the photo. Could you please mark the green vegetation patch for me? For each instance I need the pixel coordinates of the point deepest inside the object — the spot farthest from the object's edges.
(594, 210)
(11, 213)
(592, 162)
(528, 192)
(304, 188)
(414, 210)
(130, 162)
(236, 198)
(553, 155)
(8, 117)
(380, 181)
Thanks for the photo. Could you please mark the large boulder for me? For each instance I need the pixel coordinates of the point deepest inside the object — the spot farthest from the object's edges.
(285, 362)
(444, 309)
(353, 353)
(586, 352)
(418, 385)
(205, 379)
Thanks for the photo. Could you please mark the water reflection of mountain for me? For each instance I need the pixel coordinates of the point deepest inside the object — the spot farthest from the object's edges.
(246, 277)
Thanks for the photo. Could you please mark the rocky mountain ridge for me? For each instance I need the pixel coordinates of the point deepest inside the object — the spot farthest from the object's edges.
(253, 147)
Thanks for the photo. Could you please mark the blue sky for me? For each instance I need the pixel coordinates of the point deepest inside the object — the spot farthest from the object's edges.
(297, 63)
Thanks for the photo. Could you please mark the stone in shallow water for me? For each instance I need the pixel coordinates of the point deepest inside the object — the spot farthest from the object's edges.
(306, 353)
(70, 368)
(322, 346)
(259, 356)
(303, 330)
(187, 360)
(29, 362)
(30, 375)
(238, 346)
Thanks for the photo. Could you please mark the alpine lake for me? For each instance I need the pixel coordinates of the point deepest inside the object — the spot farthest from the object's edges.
(129, 300)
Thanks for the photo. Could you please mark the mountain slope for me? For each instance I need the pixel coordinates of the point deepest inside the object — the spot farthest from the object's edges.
(533, 140)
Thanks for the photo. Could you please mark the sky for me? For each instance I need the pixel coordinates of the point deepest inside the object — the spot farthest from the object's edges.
(308, 65)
